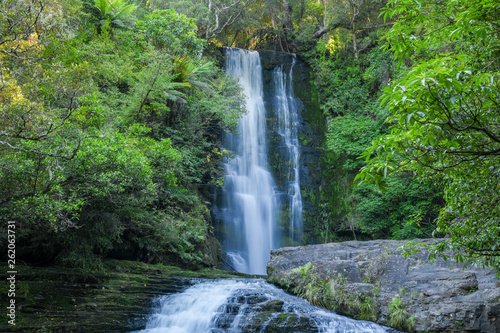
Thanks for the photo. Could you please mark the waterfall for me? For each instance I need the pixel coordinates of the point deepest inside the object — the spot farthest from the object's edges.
(252, 208)
(247, 218)
(245, 305)
(286, 107)
(248, 212)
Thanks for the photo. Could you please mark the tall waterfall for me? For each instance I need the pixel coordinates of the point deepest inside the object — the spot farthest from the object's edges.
(286, 107)
(249, 211)
(258, 208)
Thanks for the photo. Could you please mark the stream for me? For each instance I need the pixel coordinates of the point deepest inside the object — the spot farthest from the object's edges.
(245, 305)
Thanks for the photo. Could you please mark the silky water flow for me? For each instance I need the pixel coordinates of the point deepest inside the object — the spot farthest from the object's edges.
(248, 215)
(248, 212)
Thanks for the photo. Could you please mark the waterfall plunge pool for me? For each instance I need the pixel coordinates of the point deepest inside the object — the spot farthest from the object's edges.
(245, 305)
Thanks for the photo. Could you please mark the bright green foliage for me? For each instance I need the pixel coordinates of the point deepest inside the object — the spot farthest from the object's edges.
(400, 318)
(348, 90)
(220, 104)
(349, 137)
(302, 270)
(193, 73)
(406, 210)
(44, 116)
(106, 138)
(112, 13)
(154, 87)
(218, 18)
(343, 89)
(172, 31)
(93, 195)
(445, 120)
(331, 294)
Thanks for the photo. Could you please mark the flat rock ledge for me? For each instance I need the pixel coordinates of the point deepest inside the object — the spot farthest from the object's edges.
(372, 280)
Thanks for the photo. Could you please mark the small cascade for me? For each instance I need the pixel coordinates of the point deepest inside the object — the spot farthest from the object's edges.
(247, 216)
(286, 106)
(246, 306)
(192, 310)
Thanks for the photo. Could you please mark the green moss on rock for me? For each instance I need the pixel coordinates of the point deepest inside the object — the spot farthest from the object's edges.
(114, 299)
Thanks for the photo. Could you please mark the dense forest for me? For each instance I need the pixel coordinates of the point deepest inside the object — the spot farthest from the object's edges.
(112, 113)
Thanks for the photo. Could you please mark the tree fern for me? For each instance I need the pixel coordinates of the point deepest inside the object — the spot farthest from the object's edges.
(115, 13)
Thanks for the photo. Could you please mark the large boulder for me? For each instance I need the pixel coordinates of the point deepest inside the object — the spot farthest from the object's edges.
(372, 280)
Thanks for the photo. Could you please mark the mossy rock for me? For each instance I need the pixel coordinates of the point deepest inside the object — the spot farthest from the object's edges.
(290, 322)
(114, 299)
(272, 306)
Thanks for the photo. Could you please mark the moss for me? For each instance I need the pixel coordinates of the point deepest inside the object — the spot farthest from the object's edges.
(258, 321)
(330, 294)
(285, 322)
(285, 315)
(55, 299)
(312, 196)
(275, 305)
(353, 304)
(305, 140)
(284, 318)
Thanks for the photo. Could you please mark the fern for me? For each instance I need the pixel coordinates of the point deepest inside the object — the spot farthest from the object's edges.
(114, 13)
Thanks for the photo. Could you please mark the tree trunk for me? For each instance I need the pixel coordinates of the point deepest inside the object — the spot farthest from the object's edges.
(355, 45)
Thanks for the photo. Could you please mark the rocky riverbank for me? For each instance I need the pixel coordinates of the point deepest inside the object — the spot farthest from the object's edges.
(373, 281)
(115, 299)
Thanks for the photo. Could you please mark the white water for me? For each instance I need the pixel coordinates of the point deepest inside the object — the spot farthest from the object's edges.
(192, 310)
(286, 106)
(227, 305)
(249, 212)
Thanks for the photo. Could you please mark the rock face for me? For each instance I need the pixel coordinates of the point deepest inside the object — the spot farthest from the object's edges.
(371, 280)
(310, 133)
(260, 314)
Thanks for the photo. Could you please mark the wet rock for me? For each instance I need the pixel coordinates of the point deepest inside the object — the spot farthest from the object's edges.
(310, 133)
(289, 322)
(443, 297)
(270, 322)
(255, 299)
(113, 300)
(272, 306)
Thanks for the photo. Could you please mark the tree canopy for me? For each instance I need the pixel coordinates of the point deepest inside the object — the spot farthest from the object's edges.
(103, 140)
(445, 122)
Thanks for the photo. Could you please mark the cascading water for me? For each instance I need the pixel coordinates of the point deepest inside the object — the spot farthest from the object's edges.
(286, 106)
(247, 216)
(248, 212)
(246, 306)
